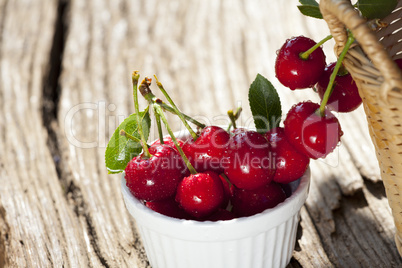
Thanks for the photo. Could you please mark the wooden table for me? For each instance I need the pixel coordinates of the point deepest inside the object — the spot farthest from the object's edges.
(65, 84)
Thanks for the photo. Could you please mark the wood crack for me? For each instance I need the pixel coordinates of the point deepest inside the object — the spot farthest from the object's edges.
(52, 88)
(74, 194)
(52, 91)
(93, 239)
(323, 235)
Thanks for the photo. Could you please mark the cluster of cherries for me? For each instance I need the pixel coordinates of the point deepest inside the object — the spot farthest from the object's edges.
(222, 174)
(236, 174)
(301, 64)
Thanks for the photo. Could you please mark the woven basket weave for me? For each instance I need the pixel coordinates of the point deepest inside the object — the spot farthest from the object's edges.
(370, 62)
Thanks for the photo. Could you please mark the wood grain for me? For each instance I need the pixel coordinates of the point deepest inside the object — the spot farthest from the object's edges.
(65, 86)
(30, 193)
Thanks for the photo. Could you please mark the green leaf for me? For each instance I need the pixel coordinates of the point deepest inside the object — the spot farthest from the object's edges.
(310, 8)
(265, 104)
(308, 2)
(375, 9)
(311, 11)
(120, 149)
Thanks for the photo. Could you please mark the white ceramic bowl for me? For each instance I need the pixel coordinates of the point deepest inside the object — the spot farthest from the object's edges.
(264, 240)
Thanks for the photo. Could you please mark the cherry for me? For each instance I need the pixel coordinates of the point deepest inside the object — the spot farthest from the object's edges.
(200, 194)
(295, 72)
(250, 202)
(345, 95)
(310, 133)
(248, 163)
(156, 177)
(227, 191)
(286, 188)
(168, 141)
(221, 215)
(290, 163)
(238, 130)
(168, 207)
(207, 151)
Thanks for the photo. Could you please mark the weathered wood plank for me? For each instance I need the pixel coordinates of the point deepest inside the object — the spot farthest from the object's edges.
(58, 206)
(36, 224)
(91, 87)
(309, 250)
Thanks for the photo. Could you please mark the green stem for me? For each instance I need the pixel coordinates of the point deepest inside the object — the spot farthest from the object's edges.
(188, 118)
(151, 98)
(131, 137)
(338, 64)
(238, 112)
(158, 123)
(306, 54)
(159, 111)
(176, 110)
(135, 77)
(232, 118)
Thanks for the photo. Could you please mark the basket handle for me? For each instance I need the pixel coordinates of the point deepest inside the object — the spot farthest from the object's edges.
(339, 15)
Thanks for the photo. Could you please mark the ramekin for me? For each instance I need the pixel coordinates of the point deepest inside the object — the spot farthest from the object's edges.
(264, 240)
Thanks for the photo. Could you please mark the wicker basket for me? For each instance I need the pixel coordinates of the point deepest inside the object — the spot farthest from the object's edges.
(370, 62)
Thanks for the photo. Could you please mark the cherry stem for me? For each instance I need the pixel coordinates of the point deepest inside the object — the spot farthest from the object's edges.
(135, 77)
(158, 123)
(151, 98)
(131, 137)
(338, 65)
(176, 110)
(230, 206)
(159, 111)
(232, 118)
(306, 54)
(236, 116)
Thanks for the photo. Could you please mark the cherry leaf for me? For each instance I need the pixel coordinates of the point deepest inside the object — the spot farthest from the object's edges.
(310, 8)
(265, 104)
(374, 9)
(120, 149)
(308, 2)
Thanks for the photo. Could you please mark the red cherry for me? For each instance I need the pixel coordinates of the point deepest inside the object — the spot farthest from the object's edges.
(238, 130)
(248, 163)
(286, 188)
(154, 178)
(207, 151)
(290, 163)
(227, 192)
(345, 95)
(200, 194)
(250, 202)
(293, 71)
(314, 135)
(168, 207)
(221, 215)
(168, 141)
